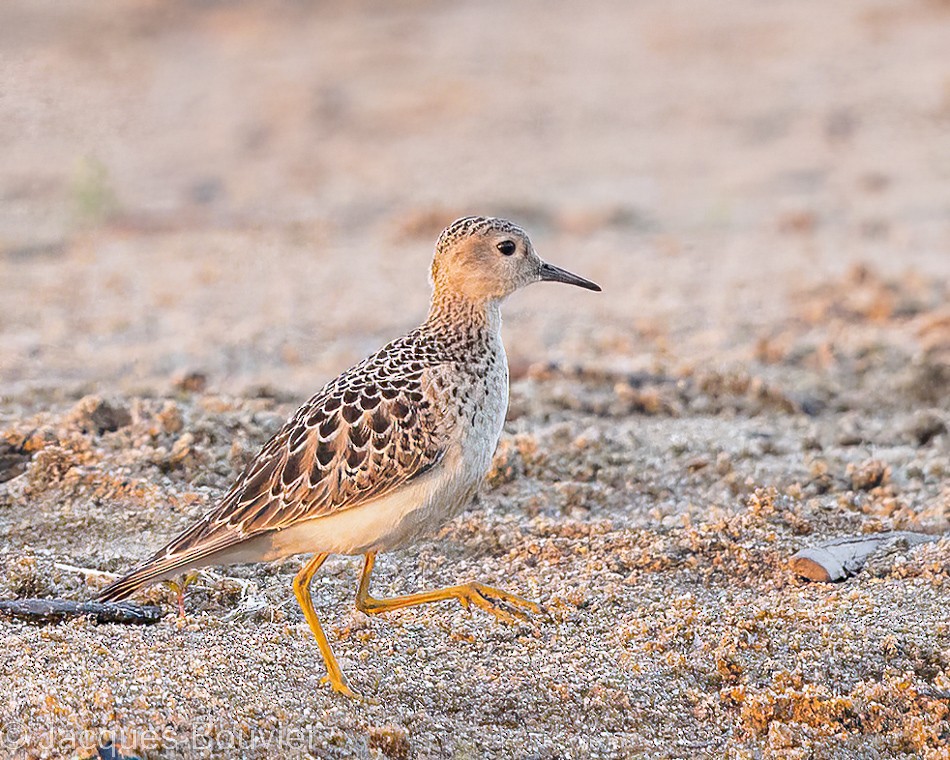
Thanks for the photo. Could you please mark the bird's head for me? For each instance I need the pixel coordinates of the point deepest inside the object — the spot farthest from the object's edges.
(486, 259)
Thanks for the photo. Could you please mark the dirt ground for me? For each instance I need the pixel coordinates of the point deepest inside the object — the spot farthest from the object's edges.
(207, 210)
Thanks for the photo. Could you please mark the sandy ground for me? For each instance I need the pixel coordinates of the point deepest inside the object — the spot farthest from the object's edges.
(208, 210)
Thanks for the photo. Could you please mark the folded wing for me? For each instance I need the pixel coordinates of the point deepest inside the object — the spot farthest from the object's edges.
(361, 437)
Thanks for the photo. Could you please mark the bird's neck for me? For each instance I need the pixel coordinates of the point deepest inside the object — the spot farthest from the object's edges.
(455, 312)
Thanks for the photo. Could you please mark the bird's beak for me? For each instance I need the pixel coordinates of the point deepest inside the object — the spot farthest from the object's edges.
(551, 273)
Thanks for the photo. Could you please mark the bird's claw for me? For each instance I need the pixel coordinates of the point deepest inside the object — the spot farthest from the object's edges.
(505, 606)
(340, 686)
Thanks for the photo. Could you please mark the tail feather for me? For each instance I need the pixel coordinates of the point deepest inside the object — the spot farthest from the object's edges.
(125, 586)
(143, 575)
(157, 568)
(184, 552)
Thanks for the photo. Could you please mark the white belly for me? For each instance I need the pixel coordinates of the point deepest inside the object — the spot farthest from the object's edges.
(417, 508)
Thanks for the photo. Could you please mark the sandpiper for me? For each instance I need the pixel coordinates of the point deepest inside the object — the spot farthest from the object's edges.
(389, 450)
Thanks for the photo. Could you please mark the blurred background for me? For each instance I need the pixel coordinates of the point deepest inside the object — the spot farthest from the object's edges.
(252, 190)
(208, 209)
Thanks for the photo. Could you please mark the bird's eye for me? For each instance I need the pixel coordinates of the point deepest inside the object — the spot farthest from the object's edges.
(507, 247)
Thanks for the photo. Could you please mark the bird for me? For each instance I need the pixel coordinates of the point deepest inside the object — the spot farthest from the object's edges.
(388, 451)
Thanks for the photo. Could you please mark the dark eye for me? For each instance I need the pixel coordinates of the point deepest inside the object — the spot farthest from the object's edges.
(507, 247)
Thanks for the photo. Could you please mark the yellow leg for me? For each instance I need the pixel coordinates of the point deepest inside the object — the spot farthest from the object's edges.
(334, 675)
(486, 597)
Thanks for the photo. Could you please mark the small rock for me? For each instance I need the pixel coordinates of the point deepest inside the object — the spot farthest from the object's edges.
(925, 425)
(108, 418)
(182, 452)
(191, 382)
(96, 415)
(868, 475)
(13, 461)
(811, 406)
(391, 741)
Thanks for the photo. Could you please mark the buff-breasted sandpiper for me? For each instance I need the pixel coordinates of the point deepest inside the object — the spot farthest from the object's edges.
(389, 450)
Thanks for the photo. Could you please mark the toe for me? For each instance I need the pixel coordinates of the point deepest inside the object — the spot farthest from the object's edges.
(340, 686)
(512, 600)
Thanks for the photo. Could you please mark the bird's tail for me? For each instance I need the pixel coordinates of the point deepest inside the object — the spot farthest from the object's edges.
(143, 575)
(184, 552)
(160, 567)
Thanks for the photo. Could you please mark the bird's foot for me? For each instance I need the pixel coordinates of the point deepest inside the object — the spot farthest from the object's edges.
(506, 607)
(338, 684)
